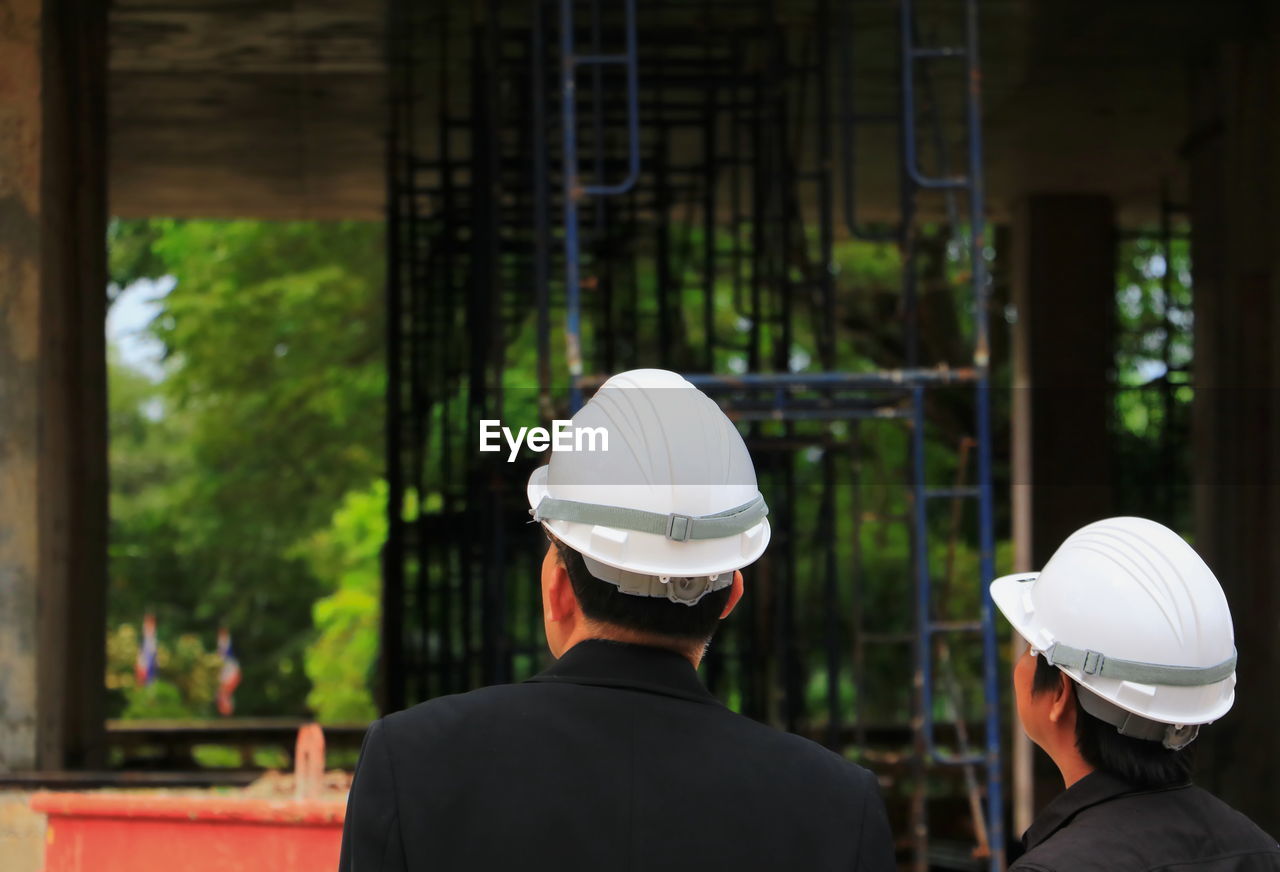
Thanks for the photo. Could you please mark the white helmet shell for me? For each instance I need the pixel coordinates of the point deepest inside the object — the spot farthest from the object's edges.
(1132, 590)
(671, 451)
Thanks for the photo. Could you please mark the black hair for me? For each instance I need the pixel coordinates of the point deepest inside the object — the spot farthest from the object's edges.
(603, 602)
(1141, 762)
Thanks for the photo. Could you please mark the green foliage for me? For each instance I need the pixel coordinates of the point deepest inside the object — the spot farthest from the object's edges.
(186, 679)
(270, 758)
(159, 699)
(216, 757)
(130, 255)
(150, 461)
(224, 757)
(241, 481)
(270, 410)
(1152, 422)
(344, 556)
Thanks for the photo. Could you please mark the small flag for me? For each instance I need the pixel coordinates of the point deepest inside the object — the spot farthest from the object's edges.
(229, 677)
(144, 668)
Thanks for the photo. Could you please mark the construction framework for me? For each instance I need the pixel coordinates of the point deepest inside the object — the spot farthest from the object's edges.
(577, 188)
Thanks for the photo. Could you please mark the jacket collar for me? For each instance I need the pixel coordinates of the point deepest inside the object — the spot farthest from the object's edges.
(1094, 789)
(603, 663)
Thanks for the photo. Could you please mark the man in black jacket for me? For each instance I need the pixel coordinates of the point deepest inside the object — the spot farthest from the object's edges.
(1131, 650)
(617, 757)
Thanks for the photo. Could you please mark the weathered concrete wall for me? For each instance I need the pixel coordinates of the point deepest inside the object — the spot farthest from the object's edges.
(53, 510)
(1064, 345)
(22, 833)
(20, 132)
(276, 110)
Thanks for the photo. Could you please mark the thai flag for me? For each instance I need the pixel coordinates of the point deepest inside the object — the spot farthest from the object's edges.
(144, 668)
(229, 677)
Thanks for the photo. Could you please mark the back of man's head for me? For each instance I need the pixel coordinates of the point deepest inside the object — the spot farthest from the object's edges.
(653, 520)
(1141, 762)
(1133, 639)
(642, 615)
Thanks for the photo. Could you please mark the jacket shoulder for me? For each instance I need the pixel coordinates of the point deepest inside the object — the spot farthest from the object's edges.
(1185, 828)
(442, 714)
(805, 756)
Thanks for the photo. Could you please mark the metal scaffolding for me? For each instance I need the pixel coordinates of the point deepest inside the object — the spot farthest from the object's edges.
(577, 188)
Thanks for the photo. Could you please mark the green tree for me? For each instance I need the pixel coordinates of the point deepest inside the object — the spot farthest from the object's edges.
(270, 410)
(1153, 388)
(345, 556)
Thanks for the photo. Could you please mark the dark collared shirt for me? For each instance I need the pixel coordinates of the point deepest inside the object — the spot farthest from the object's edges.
(1103, 823)
(615, 758)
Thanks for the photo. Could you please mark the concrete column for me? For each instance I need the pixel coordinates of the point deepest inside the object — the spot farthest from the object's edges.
(1064, 291)
(1063, 273)
(53, 494)
(1234, 154)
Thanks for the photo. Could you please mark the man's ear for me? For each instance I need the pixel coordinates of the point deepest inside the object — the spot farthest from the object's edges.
(1064, 701)
(560, 602)
(735, 594)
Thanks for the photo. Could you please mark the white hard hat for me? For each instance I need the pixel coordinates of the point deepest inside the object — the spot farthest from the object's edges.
(1132, 614)
(672, 507)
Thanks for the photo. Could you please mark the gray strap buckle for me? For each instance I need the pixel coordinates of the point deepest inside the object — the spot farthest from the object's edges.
(1096, 663)
(679, 527)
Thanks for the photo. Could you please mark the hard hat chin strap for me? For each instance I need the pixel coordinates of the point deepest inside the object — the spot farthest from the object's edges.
(1172, 736)
(1095, 663)
(674, 526)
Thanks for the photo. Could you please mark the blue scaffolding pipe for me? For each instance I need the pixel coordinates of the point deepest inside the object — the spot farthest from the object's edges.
(883, 378)
(986, 512)
(815, 414)
(574, 191)
(972, 184)
(911, 54)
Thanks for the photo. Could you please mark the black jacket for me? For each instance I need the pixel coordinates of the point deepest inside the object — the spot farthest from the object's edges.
(1102, 823)
(615, 758)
